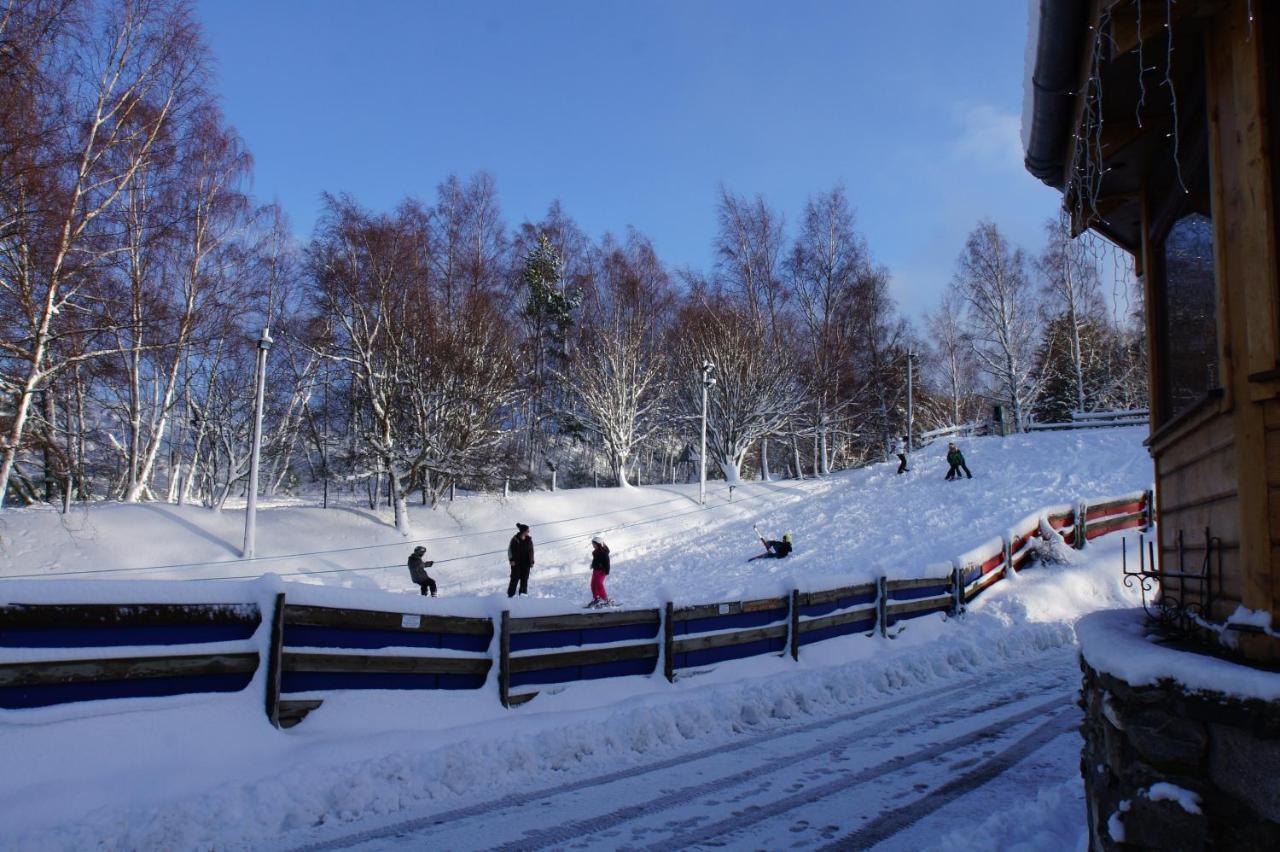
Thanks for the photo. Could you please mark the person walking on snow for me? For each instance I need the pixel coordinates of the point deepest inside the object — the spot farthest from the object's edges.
(900, 450)
(418, 571)
(520, 558)
(955, 458)
(599, 570)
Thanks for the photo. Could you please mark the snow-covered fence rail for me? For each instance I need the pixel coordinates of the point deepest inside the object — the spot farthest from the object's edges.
(56, 652)
(713, 633)
(835, 612)
(83, 652)
(324, 648)
(932, 435)
(584, 646)
(1116, 514)
(907, 599)
(1095, 420)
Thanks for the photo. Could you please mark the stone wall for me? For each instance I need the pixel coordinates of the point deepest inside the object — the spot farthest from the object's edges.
(1221, 755)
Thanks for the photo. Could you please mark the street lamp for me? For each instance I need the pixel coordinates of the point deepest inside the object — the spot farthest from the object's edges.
(708, 381)
(910, 412)
(251, 510)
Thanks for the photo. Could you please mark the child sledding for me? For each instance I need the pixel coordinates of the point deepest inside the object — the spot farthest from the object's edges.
(773, 549)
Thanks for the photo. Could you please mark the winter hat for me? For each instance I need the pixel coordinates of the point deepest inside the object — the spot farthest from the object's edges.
(419, 549)
(522, 527)
(787, 537)
(597, 539)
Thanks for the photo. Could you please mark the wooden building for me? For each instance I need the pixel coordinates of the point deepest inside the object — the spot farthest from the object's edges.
(1159, 123)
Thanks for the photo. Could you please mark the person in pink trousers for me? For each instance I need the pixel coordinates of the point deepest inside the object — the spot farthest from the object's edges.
(599, 570)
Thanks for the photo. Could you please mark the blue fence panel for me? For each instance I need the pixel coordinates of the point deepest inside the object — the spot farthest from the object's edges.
(17, 697)
(922, 592)
(323, 681)
(123, 635)
(847, 602)
(832, 632)
(708, 656)
(594, 671)
(305, 636)
(587, 636)
(737, 621)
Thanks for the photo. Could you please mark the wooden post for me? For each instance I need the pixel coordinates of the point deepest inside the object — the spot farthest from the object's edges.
(882, 606)
(1148, 510)
(275, 657)
(504, 658)
(669, 643)
(1006, 550)
(795, 624)
(957, 591)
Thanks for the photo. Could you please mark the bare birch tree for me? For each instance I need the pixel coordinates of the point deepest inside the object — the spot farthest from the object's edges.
(991, 278)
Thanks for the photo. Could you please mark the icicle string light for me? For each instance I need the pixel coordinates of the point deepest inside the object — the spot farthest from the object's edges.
(1173, 92)
(1142, 69)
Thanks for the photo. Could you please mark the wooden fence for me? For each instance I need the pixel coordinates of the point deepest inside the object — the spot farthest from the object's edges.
(81, 652)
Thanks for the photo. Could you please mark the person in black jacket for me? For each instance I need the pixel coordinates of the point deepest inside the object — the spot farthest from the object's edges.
(418, 571)
(599, 570)
(775, 549)
(520, 558)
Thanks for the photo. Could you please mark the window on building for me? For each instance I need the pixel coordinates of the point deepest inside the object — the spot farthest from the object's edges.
(1184, 283)
(1189, 313)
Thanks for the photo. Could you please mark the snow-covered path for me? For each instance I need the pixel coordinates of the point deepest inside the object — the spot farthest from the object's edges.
(895, 773)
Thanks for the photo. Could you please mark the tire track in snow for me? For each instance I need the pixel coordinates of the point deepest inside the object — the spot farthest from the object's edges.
(888, 824)
(718, 831)
(934, 699)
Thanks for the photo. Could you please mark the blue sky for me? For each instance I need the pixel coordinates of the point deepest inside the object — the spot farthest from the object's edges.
(633, 113)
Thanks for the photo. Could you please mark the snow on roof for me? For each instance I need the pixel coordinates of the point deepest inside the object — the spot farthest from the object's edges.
(1029, 70)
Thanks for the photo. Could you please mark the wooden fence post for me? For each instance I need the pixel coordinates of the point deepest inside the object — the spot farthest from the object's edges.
(1082, 524)
(1006, 549)
(1149, 509)
(504, 658)
(275, 658)
(795, 624)
(957, 591)
(882, 606)
(669, 643)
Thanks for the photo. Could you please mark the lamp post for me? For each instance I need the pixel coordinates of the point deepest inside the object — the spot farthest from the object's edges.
(707, 382)
(251, 510)
(910, 412)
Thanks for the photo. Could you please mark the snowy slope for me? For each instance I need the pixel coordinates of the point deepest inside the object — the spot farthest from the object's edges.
(209, 772)
(847, 528)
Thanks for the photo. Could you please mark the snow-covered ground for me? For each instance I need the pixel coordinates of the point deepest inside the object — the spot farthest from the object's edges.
(847, 528)
(956, 734)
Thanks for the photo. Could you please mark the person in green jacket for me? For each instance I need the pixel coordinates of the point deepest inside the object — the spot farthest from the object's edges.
(955, 458)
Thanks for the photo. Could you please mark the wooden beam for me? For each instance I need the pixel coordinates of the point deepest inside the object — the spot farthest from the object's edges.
(724, 640)
(812, 624)
(584, 621)
(361, 663)
(42, 616)
(924, 603)
(364, 619)
(814, 598)
(569, 659)
(125, 668)
(689, 613)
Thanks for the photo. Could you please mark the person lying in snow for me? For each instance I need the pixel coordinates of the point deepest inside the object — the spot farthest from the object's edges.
(955, 458)
(774, 549)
